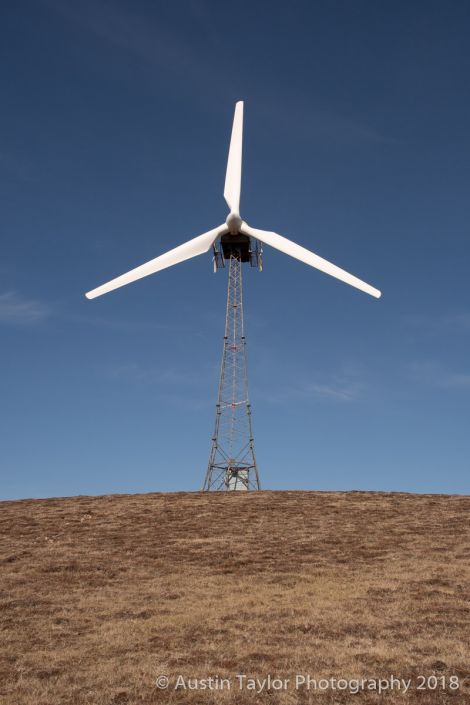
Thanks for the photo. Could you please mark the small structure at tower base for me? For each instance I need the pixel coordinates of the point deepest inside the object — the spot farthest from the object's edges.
(237, 479)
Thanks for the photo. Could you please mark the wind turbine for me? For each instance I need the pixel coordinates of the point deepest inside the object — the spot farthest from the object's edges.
(232, 463)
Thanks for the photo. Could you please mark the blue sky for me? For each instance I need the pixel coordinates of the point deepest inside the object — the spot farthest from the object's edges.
(115, 124)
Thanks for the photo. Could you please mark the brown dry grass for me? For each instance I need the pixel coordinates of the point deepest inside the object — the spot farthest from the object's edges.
(101, 594)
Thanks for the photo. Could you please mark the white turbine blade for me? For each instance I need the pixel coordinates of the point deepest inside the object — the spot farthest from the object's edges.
(194, 247)
(304, 255)
(233, 175)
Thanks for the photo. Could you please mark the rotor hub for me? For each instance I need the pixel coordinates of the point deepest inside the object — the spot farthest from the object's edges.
(233, 223)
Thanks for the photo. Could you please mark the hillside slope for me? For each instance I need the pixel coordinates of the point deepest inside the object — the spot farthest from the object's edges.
(100, 595)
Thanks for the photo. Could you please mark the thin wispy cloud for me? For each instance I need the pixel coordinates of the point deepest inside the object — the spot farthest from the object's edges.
(175, 385)
(134, 372)
(118, 324)
(435, 374)
(187, 401)
(159, 46)
(18, 310)
(458, 380)
(314, 123)
(164, 46)
(172, 376)
(440, 324)
(335, 390)
(340, 391)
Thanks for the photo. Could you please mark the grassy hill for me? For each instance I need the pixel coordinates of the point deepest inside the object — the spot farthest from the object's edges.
(101, 595)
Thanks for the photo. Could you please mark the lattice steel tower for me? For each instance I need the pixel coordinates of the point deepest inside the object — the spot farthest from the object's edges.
(232, 460)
